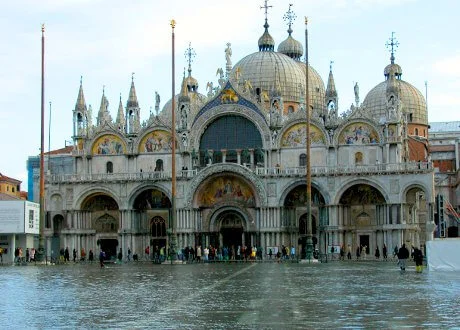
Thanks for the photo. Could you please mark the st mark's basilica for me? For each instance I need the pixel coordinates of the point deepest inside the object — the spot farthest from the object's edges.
(240, 159)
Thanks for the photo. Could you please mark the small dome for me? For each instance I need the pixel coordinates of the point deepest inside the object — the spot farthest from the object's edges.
(291, 48)
(393, 69)
(412, 102)
(266, 42)
(197, 101)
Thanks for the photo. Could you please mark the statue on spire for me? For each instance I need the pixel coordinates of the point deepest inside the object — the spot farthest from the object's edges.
(228, 55)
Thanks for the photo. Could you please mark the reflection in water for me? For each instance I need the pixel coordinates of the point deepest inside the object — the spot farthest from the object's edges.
(240, 296)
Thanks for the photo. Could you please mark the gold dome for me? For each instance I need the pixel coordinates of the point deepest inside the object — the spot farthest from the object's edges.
(412, 101)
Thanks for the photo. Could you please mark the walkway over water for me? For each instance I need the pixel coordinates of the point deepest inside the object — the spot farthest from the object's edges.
(228, 296)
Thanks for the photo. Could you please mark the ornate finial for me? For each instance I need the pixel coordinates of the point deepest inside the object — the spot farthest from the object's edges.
(266, 6)
(306, 20)
(81, 80)
(132, 76)
(189, 55)
(330, 65)
(103, 89)
(289, 17)
(43, 27)
(173, 23)
(120, 96)
(392, 44)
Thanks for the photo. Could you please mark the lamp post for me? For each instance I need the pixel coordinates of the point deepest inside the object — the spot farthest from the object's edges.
(309, 236)
(172, 227)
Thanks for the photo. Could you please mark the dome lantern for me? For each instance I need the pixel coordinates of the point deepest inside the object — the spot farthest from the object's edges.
(266, 41)
(290, 46)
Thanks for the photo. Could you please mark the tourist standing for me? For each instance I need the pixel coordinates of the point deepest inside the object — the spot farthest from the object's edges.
(198, 253)
(349, 252)
(129, 254)
(377, 253)
(91, 256)
(74, 255)
(403, 254)
(66, 255)
(385, 252)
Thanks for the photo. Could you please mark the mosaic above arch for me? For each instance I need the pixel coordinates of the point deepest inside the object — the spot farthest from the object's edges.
(296, 136)
(358, 133)
(226, 188)
(108, 144)
(156, 141)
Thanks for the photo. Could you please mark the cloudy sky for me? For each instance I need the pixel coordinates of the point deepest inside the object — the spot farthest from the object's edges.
(105, 41)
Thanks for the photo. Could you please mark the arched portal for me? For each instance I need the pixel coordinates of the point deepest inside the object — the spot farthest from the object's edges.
(295, 207)
(105, 220)
(152, 216)
(231, 228)
(364, 207)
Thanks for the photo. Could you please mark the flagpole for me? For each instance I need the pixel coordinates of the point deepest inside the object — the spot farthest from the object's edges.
(41, 238)
(309, 236)
(172, 242)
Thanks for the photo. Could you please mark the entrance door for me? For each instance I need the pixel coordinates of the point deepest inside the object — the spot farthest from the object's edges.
(231, 229)
(109, 246)
(232, 236)
(364, 241)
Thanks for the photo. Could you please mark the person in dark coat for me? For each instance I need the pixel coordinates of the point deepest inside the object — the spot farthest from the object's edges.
(403, 254)
(66, 254)
(385, 252)
(377, 253)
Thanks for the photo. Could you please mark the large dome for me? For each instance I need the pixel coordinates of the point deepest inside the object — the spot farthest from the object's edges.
(267, 70)
(412, 101)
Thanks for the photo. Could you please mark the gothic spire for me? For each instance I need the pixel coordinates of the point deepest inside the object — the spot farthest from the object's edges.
(81, 103)
(120, 116)
(103, 116)
(132, 99)
(330, 90)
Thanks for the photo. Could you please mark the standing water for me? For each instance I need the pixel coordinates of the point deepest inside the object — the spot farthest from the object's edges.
(228, 296)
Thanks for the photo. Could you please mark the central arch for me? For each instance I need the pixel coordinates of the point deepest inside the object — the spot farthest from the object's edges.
(229, 227)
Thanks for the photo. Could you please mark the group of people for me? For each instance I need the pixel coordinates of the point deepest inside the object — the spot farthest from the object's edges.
(401, 253)
(19, 255)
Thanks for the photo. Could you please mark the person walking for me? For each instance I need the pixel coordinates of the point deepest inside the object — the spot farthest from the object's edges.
(91, 256)
(74, 255)
(403, 254)
(418, 258)
(101, 258)
(385, 252)
(377, 253)
(129, 254)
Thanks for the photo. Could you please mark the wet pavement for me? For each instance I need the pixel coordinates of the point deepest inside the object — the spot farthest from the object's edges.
(357, 295)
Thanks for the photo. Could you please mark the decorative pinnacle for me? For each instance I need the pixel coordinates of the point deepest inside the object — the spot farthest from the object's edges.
(330, 65)
(189, 55)
(289, 17)
(43, 27)
(306, 20)
(392, 44)
(173, 23)
(132, 76)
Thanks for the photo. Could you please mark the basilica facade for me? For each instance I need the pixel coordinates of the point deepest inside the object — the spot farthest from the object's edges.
(240, 157)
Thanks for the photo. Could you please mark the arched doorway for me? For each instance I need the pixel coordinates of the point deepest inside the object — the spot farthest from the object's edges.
(152, 209)
(296, 202)
(231, 228)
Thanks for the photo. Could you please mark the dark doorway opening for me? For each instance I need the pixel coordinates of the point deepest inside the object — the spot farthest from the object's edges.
(232, 236)
(364, 241)
(109, 246)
